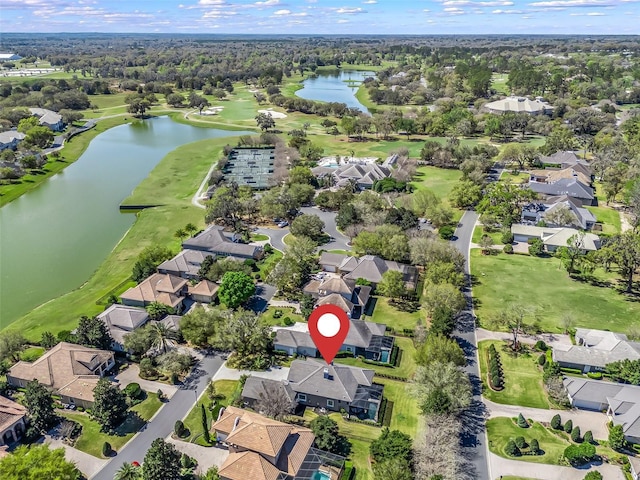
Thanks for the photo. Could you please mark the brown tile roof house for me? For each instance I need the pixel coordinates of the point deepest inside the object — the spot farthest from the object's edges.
(167, 289)
(60, 367)
(552, 176)
(120, 320)
(203, 292)
(341, 292)
(264, 449)
(12, 421)
(214, 241)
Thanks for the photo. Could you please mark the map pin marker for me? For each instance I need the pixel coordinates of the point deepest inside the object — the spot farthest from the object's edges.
(328, 326)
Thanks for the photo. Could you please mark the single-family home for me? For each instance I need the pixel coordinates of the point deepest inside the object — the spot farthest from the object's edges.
(162, 288)
(204, 291)
(214, 241)
(620, 401)
(550, 213)
(634, 464)
(366, 339)
(552, 176)
(71, 371)
(363, 175)
(565, 159)
(571, 187)
(519, 105)
(368, 267)
(595, 349)
(264, 449)
(9, 57)
(255, 387)
(10, 139)
(552, 237)
(339, 291)
(336, 387)
(121, 320)
(48, 118)
(13, 421)
(185, 264)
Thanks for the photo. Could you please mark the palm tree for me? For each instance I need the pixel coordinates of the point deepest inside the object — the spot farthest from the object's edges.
(127, 472)
(180, 234)
(190, 228)
(162, 336)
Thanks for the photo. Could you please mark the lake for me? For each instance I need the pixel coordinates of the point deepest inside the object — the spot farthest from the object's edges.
(54, 237)
(335, 87)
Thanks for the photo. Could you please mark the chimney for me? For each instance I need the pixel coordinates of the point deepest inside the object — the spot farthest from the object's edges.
(326, 373)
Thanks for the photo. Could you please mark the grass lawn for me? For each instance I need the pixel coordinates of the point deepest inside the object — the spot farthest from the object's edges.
(268, 319)
(31, 354)
(518, 178)
(266, 265)
(340, 252)
(542, 285)
(438, 180)
(478, 233)
(609, 218)
(91, 439)
(391, 316)
(194, 419)
(407, 363)
(258, 237)
(522, 378)
(499, 83)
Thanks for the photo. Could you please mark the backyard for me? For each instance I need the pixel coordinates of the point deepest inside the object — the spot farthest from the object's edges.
(543, 287)
(407, 366)
(522, 378)
(384, 312)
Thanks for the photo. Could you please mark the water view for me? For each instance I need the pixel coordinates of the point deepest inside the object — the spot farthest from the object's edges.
(340, 86)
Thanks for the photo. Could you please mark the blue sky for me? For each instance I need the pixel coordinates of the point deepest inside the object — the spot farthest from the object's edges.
(323, 16)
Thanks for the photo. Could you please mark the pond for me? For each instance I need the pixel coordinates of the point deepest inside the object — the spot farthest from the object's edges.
(336, 86)
(52, 238)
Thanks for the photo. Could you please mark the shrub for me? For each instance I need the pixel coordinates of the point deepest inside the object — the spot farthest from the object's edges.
(580, 454)
(595, 375)
(541, 346)
(542, 359)
(147, 369)
(507, 237)
(179, 428)
(522, 422)
(508, 248)
(277, 314)
(594, 475)
(575, 434)
(512, 449)
(446, 232)
(534, 446)
(160, 394)
(588, 437)
(556, 421)
(106, 449)
(133, 391)
(521, 442)
(496, 382)
(287, 321)
(568, 426)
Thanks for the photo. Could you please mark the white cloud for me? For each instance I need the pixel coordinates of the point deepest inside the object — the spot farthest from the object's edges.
(268, 3)
(571, 3)
(350, 10)
(454, 11)
(426, 10)
(343, 20)
(206, 3)
(463, 3)
(507, 12)
(282, 12)
(370, 2)
(595, 14)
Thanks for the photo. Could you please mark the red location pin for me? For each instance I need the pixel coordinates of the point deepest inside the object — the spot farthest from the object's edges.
(328, 326)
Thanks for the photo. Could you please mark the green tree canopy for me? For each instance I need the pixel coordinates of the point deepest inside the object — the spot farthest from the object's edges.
(235, 289)
(148, 261)
(392, 444)
(39, 403)
(161, 462)
(37, 462)
(443, 378)
(440, 349)
(12, 343)
(392, 284)
(110, 405)
(93, 332)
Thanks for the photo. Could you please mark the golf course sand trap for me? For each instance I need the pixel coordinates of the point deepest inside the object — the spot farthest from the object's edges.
(212, 111)
(273, 114)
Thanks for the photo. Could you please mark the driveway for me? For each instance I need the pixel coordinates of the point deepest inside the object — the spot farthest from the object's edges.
(503, 467)
(87, 464)
(226, 373)
(260, 301)
(554, 340)
(275, 235)
(162, 424)
(132, 375)
(339, 241)
(206, 457)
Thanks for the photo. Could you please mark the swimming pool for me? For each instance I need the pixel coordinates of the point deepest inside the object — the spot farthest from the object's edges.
(318, 475)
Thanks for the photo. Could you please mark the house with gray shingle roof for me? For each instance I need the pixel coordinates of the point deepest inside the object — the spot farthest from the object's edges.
(519, 105)
(595, 349)
(121, 320)
(214, 241)
(536, 212)
(255, 387)
(340, 291)
(364, 175)
(564, 159)
(48, 118)
(10, 139)
(185, 264)
(571, 187)
(553, 238)
(367, 267)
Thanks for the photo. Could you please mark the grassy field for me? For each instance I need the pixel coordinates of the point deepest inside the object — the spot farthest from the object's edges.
(517, 178)
(438, 180)
(31, 354)
(267, 264)
(193, 421)
(268, 319)
(522, 378)
(499, 83)
(407, 363)
(543, 286)
(91, 439)
(391, 316)
(478, 233)
(610, 218)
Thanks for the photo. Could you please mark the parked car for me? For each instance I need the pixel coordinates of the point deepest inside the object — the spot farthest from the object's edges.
(283, 224)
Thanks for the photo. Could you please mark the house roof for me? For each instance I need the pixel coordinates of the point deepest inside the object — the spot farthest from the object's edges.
(244, 465)
(293, 338)
(552, 176)
(121, 319)
(364, 174)
(565, 186)
(10, 412)
(342, 384)
(80, 387)
(589, 390)
(337, 300)
(565, 158)
(555, 236)
(159, 287)
(172, 321)
(204, 287)
(60, 365)
(598, 348)
(518, 104)
(10, 135)
(187, 261)
(255, 386)
(214, 240)
(47, 117)
(372, 268)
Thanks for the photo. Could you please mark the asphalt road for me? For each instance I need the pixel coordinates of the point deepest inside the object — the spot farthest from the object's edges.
(162, 424)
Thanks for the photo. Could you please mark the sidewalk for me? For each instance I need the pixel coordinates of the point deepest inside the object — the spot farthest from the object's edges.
(87, 464)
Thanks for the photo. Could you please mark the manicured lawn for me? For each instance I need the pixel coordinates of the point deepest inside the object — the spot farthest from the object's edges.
(406, 414)
(542, 285)
(266, 265)
(518, 178)
(91, 439)
(194, 419)
(360, 458)
(499, 83)
(268, 318)
(609, 218)
(391, 316)
(258, 237)
(439, 180)
(522, 378)
(407, 363)
(341, 252)
(31, 354)
(478, 234)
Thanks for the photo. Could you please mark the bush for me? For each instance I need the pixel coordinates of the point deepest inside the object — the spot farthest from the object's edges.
(588, 437)
(568, 426)
(522, 422)
(534, 446)
(580, 454)
(160, 394)
(508, 248)
(595, 375)
(277, 313)
(536, 248)
(147, 369)
(594, 475)
(512, 449)
(287, 321)
(80, 409)
(521, 442)
(496, 382)
(179, 429)
(541, 346)
(446, 232)
(542, 359)
(575, 434)
(507, 237)
(556, 421)
(133, 391)
(106, 449)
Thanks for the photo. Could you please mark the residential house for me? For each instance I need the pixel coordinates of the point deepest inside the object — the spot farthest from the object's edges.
(186, 264)
(362, 175)
(71, 371)
(368, 267)
(264, 449)
(582, 174)
(204, 291)
(620, 401)
(10, 139)
(121, 320)
(48, 118)
(595, 349)
(571, 187)
(339, 291)
(336, 387)
(172, 322)
(366, 339)
(9, 57)
(255, 388)
(564, 159)
(519, 105)
(214, 241)
(634, 464)
(166, 289)
(553, 238)
(13, 421)
(536, 212)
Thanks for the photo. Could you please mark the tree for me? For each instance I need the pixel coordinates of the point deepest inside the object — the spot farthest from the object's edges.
(157, 310)
(211, 474)
(443, 378)
(392, 444)
(580, 454)
(568, 426)
(199, 326)
(274, 402)
(175, 100)
(12, 343)
(575, 434)
(512, 449)
(504, 202)
(265, 121)
(139, 341)
(626, 371)
(137, 106)
(588, 437)
(626, 250)
(519, 153)
(515, 319)
(28, 123)
(162, 336)
(437, 452)
(235, 289)
(556, 422)
(174, 363)
(534, 446)
(465, 194)
(40, 137)
(439, 349)
(205, 422)
(392, 284)
(93, 332)
(442, 322)
(561, 216)
(39, 404)
(326, 431)
(69, 116)
(444, 296)
(392, 469)
(148, 261)
(593, 475)
(616, 437)
(309, 226)
(573, 252)
(109, 406)
(48, 341)
(522, 422)
(128, 471)
(245, 334)
(161, 462)
(486, 243)
(37, 462)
